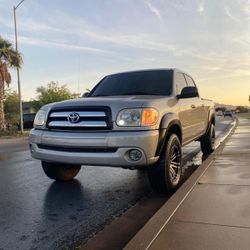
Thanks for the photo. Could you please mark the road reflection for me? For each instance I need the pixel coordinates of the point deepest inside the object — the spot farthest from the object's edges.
(191, 165)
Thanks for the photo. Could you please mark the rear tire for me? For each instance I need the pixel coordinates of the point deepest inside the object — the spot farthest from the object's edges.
(60, 172)
(208, 141)
(166, 175)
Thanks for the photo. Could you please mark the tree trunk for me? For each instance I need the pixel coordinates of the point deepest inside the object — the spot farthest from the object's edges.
(2, 118)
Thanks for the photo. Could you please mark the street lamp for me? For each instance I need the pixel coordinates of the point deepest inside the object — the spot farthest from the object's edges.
(18, 73)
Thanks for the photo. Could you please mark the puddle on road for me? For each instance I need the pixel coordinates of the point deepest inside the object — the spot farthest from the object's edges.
(192, 165)
(223, 136)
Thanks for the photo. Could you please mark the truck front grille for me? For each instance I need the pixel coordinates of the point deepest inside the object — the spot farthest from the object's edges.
(80, 118)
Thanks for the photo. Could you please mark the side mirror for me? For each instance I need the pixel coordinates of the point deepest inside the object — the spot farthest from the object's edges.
(188, 92)
(86, 94)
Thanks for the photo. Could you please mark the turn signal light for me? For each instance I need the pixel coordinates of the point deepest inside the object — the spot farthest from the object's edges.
(149, 117)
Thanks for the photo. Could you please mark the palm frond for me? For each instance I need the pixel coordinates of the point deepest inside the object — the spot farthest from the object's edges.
(9, 55)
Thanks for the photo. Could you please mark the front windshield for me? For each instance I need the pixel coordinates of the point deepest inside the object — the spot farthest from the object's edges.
(153, 82)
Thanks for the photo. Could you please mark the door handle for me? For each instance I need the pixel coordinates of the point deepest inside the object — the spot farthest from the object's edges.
(193, 106)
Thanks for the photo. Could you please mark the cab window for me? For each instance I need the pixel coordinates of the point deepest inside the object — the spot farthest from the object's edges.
(180, 83)
(190, 81)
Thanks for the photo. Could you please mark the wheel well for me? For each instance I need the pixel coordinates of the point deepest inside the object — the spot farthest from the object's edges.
(213, 120)
(164, 133)
(175, 129)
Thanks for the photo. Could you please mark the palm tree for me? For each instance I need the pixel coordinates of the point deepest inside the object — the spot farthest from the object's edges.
(8, 58)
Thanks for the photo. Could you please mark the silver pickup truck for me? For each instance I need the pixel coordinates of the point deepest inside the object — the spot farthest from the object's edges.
(132, 120)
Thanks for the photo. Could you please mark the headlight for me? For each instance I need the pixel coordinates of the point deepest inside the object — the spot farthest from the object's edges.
(40, 118)
(129, 118)
(137, 117)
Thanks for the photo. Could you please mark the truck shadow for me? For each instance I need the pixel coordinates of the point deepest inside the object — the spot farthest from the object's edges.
(62, 196)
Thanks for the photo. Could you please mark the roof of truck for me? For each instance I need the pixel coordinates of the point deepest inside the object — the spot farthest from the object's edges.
(154, 69)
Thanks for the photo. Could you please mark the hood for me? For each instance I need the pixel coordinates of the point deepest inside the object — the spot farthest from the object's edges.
(117, 103)
(103, 101)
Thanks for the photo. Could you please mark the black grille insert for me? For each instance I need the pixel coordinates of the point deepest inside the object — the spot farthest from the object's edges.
(83, 118)
(78, 149)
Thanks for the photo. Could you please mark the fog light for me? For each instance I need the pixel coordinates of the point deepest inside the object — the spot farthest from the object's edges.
(31, 148)
(135, 154)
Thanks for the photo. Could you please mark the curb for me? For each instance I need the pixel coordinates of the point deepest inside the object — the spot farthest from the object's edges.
(146, 236)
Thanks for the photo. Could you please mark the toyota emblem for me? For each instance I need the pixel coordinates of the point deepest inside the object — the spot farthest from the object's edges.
(73, 117)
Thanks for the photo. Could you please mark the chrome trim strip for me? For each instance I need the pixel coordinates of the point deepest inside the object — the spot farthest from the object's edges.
(81, 113)
(82, 124)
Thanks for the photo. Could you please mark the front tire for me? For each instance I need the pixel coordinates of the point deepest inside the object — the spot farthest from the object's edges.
(208, 141)
(60, 172)
(166, 175)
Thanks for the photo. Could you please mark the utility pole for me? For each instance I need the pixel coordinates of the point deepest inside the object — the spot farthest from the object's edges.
(18, 73)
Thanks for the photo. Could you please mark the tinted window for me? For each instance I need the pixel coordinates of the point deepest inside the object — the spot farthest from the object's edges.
(180, 83)
(190, 81)
(153, 82)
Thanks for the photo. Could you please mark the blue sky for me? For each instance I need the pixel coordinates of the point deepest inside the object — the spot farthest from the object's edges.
(78, 42)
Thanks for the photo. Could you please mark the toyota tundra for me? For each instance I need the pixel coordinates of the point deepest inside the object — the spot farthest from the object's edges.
(136, 120)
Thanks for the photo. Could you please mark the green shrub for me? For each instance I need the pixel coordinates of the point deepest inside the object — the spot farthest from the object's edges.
(11, 131)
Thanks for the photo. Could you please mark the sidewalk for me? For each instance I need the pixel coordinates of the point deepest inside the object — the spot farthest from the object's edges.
(216, 213)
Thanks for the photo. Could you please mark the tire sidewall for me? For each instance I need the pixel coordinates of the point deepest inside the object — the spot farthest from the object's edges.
(60, 172)
(212, 134)
(208, 140)
(172, 141)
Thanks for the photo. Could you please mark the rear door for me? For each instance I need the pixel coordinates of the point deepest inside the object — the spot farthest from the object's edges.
(185, 110)
(199, 113)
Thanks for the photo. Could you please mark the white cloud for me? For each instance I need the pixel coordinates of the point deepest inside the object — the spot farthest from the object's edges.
(211, 67)
(56, 44)
(60, 45)
(29, 25)
(82, 29)
(141, 41)
(153, 9)
(233, 74)
(181, 6)
(230, 15)
(247, 9)
(201, 8)
(242, 41)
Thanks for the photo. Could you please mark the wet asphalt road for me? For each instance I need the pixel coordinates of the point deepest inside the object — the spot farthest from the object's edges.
(37, 213)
